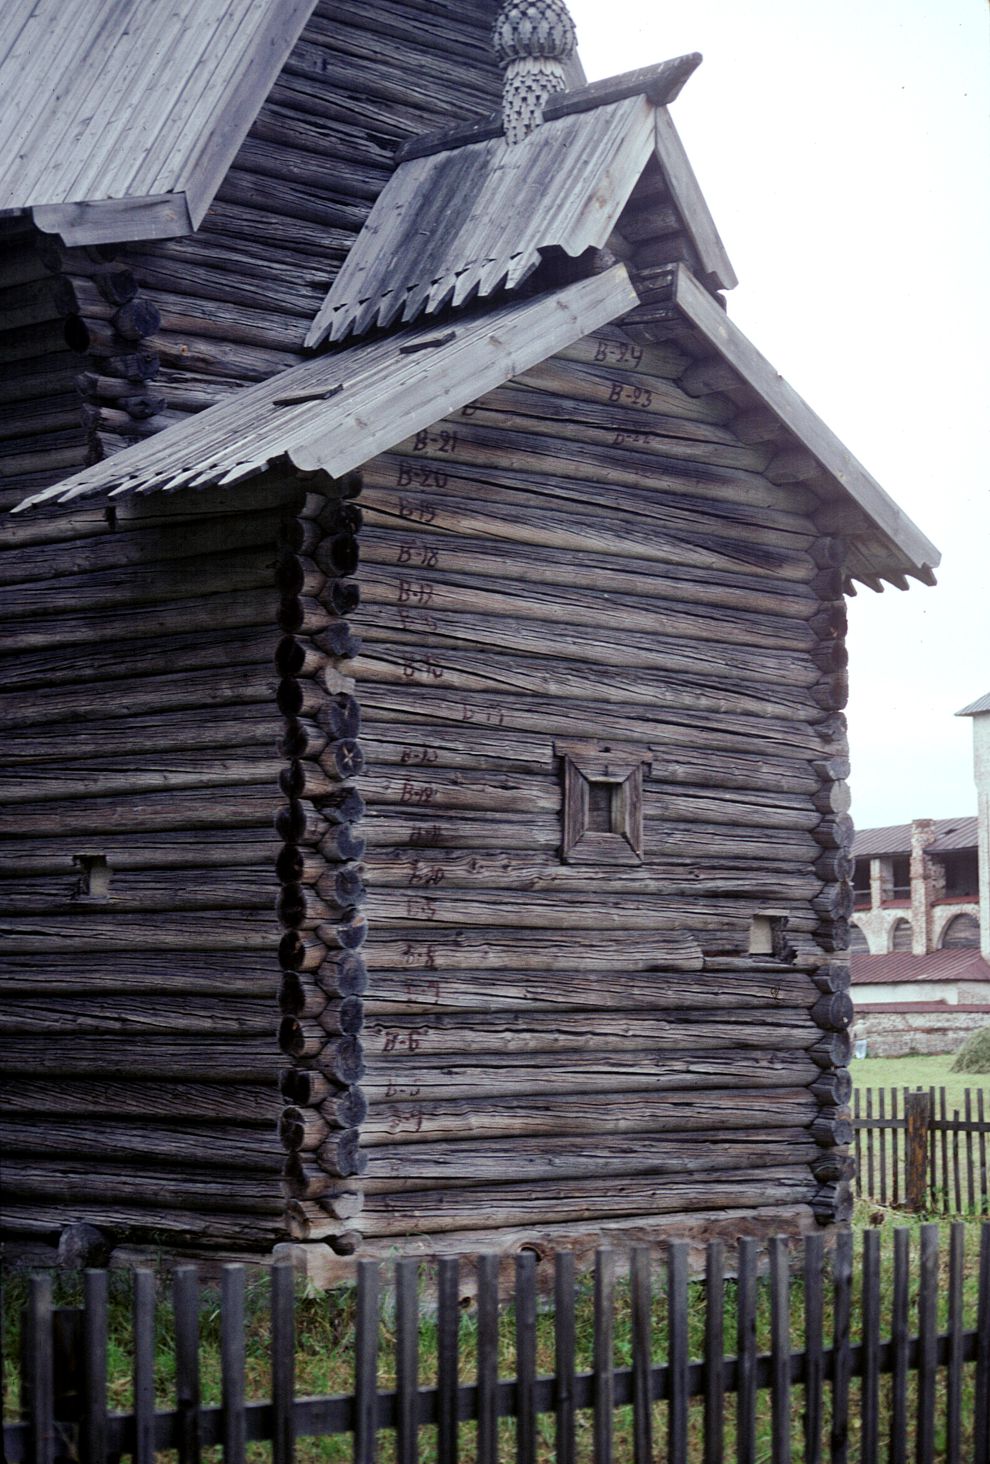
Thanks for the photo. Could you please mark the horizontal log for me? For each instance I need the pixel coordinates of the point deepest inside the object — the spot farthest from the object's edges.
(673, 986)
(338, 1058)
(99, 928)
(182, 1059)
(420, 557)
(209, 1227)
(424, 911)
(831, 1128)
(340, 1154)
(229, 1190)
(573, 1200)
(302, 822)
(833, 1012)
(196, 1145)
(393, 1168)
(832, 1050)
(134, 1016)
(553, 1031)
(422, 870)
(399, 1076)
(148, 584)
(110, 1100)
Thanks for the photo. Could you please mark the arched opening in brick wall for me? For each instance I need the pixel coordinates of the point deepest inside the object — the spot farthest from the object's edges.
(901, 937)
(961, 933)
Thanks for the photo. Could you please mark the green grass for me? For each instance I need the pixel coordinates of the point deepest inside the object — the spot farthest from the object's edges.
(326, 1337)
(915, 1072)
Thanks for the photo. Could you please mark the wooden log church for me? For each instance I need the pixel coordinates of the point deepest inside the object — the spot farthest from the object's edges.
(425, 773)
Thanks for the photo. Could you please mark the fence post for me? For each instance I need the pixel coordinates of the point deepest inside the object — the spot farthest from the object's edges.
(918, 1111)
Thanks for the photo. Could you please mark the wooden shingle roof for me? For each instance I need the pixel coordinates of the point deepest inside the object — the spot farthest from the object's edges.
(121, 117)
(337, 411)
(471, 214)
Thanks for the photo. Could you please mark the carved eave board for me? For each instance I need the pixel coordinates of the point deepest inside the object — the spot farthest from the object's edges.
(477, 215)
(121, 117)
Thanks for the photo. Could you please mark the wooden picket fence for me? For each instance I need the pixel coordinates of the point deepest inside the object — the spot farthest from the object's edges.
(827, 1397)
(912, 1152)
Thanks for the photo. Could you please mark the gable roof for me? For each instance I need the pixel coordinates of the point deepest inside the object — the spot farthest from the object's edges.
(335, 412)
(883, 542)
(121, 117)
(469, 214)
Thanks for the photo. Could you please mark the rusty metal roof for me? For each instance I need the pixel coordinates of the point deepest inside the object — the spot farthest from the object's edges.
(478, 216)
(950, 834)
(121, 117)
(957, 964)
(339, 410)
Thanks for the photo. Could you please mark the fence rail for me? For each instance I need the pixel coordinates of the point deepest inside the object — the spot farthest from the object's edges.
(912, 1151)
(939, 1384)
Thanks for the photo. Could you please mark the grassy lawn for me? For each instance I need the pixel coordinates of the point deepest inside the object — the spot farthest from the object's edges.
(915, 1072)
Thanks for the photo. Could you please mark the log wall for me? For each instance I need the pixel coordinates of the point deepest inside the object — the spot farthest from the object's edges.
(140, 979)
(102, 347)
(591, 553)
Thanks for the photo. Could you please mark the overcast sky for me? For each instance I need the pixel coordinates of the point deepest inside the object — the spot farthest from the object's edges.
(844, 150)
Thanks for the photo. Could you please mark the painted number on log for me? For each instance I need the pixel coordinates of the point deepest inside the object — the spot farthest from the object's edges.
(418, 475)
(414, 592)
(630, 396)
(417, 554)
(618, 353)
(435, 442)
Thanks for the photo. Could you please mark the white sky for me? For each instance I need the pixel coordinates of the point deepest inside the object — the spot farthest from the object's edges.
(844, 150)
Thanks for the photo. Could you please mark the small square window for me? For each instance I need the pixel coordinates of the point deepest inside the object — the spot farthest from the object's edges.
(603, 802)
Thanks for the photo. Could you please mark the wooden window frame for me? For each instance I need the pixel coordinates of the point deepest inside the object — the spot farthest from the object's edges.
(621, 766)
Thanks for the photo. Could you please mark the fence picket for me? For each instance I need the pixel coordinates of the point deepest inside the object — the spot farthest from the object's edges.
(970, 1177)
(94, 1424)
(780, 1352)
(564, 1358)
(984, 1177)
(927, 1342)
(640, 1298)
(185, 1302)
(858, 1138)
(448, 1334)
(283, 1344)
(144, 1367)
(814, 1365)
(870, 1391)
(39, 1368)
(746, 1352)
(981, 1452)
(714, 1352)
(366, 1362)
(894, 1158)
(899, 1347)
(526, 1357)
(232, 1361)
(841, 1314)
(954, 1374)
(406, 1360)
(487, 1359)
(882, 1134)
(604, 1354)
(677, 1332)
(870, 1175)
